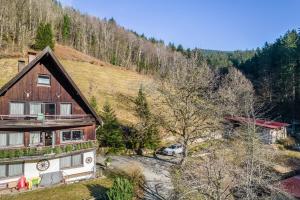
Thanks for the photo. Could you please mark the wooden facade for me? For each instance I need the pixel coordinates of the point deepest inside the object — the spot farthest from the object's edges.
(24, 88)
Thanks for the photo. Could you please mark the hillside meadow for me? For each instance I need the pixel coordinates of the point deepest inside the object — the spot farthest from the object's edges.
(94, 77)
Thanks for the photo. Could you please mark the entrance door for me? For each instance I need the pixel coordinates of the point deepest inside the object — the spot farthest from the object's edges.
(48, 138)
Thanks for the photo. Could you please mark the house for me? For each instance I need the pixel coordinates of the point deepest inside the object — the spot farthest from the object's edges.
(270, 131)
(47, 127)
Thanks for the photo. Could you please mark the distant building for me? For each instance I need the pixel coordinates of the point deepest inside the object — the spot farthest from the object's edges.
(270, 131)
(292, 186)
(47, 127)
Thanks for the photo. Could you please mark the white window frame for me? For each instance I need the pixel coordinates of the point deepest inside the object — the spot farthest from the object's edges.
(40, 139)
(71, 165)
(8, 139)
(71, 140)
(66, 103)
(7, 171)
(43, 76)
(14, 102)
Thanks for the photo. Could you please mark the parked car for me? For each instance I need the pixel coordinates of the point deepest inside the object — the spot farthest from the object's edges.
(173, 150)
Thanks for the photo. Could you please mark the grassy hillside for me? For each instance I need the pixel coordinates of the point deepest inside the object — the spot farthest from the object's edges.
(94, 77)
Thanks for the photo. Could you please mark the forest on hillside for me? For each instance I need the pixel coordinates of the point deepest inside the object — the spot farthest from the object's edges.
(275, 73)
(101, 38)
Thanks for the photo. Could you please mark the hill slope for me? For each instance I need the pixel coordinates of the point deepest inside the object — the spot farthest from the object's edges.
(93, 77)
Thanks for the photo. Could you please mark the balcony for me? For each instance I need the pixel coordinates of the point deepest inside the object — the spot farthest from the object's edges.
(45, 121)
(32, 153)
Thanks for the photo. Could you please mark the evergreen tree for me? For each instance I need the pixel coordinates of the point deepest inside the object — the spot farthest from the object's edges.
(110, 134)
(146, 134)
(66, 28)
(94, 104)
(44, 37)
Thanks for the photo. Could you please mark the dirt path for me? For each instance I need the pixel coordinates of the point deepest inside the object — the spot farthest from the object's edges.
(156, 172)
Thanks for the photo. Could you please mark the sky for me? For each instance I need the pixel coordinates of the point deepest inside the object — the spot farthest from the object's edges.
(207, 24)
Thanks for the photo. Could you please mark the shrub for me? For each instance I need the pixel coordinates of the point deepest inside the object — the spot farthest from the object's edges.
(18, 153)
(69, 148)
(57, 150)
(11, 154)
(287, 142)
(122, 189)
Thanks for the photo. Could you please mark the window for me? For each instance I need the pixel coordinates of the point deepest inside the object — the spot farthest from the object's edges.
(3, 139)
(35, 108)
(11, 170)
(66, 136)
(2, 171)
(65, 109)
(71, 161)
(43, 80)
(15, 139)
(35, 138)
(11, 139)
(77, 135)
(16, 108)
(71, 135)
(49, 109)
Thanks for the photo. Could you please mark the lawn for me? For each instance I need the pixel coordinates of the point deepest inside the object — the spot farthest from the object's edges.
(82, 190)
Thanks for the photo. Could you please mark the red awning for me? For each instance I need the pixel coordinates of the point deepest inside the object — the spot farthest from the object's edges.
(258, 122)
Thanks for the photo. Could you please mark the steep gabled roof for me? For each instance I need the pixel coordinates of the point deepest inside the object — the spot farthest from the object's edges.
(45, 53)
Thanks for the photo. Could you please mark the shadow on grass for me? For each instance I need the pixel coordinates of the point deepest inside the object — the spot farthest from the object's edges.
(97, 191)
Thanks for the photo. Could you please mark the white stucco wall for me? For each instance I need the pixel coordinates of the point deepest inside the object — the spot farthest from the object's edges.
(30, 170)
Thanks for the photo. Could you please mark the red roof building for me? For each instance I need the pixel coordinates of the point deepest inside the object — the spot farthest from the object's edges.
(292, 186)
(269, 130)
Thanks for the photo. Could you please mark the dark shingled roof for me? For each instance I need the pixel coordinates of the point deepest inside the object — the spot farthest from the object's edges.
(48, 52)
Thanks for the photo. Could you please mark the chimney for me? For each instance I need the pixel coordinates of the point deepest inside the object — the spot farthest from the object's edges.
(21, 64)
(31, 56)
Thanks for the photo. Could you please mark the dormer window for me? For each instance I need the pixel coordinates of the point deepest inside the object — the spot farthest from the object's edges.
(43, 80)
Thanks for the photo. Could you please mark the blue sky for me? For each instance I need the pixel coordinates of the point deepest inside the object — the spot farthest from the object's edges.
(209, 24)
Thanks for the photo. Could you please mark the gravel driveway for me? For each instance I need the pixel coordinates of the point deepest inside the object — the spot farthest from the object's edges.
(156, 171)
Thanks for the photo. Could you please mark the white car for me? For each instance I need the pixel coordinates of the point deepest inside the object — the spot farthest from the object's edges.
(173, 150)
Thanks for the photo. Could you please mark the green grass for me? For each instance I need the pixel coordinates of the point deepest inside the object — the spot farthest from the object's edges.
(77, 191)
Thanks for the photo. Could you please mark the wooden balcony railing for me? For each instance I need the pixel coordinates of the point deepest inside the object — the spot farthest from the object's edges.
(28, 152)
(42, 117)
(27, 121)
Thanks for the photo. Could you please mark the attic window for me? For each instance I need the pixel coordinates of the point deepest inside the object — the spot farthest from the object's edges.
(43, 80)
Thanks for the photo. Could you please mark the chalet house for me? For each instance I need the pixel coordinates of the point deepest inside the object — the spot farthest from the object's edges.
(270, 131)
(47, 127)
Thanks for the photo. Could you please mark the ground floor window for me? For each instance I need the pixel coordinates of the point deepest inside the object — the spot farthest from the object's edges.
(35, 138)
(71, 161)
(11, 139)
(11, 170)
(71, 135)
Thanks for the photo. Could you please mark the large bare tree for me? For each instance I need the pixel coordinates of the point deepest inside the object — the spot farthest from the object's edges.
(188, 101)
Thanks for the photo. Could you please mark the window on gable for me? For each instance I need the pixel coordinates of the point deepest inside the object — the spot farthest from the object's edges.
(43, 80)
(65, 109)
(16, 108)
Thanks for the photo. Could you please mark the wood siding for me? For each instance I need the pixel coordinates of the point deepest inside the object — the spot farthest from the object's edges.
(55, 93)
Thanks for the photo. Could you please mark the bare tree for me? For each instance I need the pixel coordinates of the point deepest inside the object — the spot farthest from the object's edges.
(188, 102)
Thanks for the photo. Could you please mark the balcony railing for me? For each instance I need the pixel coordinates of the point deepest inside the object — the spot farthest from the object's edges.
(44, 117)
(30, 152)
(41, 120)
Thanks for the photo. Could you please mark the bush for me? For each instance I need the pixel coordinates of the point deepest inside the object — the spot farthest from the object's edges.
(122, 189)
(69, 148)
(57, 150)
(287, 142)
